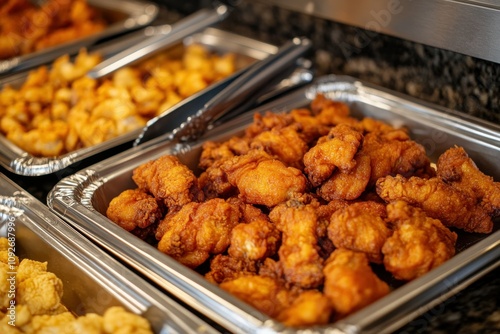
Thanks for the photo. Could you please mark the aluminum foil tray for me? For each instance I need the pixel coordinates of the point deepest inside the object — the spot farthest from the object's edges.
(122, 17)
(93, 280)
(82, 199)
(21, 162)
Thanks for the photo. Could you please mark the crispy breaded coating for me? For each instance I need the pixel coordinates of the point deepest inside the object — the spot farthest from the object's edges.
(40, 290)
(347, 185)
(266, 122)
(350, 283)
(225, 268)
(456, 168)
(299, 252)
(285, 144)
(262, 180)
(255, 240)
(213, 152)
(168, 180)
(360, 227)
(134, 208)
(330, 112)
(198, 230)
(336, 150)
(418, 244)
(393, 153)
(266, 294)
(308, 126)
(310, 308)
(438, 200)
(116, 320)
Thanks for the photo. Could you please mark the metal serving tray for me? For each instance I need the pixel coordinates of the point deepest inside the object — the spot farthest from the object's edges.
(93, 280)
(83, 198)
(21, 162)
(122, 16)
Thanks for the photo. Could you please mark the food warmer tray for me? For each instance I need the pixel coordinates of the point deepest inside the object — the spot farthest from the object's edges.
(20, 162)
(123, 16)
(82, 199)
(93, 280)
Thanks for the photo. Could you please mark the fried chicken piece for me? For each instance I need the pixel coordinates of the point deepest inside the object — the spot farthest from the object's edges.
(263, 181)
(308, 126)
(117, 320)
(310, 308)
(350, 283)
(336, 150)
(255, 240)
(360, 227)
(330, 112)
(213, 152)
(226, 268)
(393, 153)
(134, 209)
(324, 213)
(285, 144)
(37, 288)
(214, 183)
(299, 251)
(266, 294)
(348, 185)
(266, 122)
(198, 230)
(169, 181)
(419, 243)
(368, 124)
(438, 200)
(456, 168)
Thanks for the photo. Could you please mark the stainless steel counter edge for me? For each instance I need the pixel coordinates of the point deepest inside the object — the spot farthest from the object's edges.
(469, 27)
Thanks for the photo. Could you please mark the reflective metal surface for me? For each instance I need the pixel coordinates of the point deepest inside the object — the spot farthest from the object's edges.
(469, 27)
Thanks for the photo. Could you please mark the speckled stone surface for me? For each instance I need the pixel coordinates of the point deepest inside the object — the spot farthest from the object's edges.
(452, 80)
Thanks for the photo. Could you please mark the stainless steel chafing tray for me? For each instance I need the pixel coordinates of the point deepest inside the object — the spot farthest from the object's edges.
(121, 16)
(93, 281)
(21, 162)
(83, 198)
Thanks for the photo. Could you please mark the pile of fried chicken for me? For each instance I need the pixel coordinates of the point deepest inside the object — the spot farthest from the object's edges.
(294, 215)
(26, 27)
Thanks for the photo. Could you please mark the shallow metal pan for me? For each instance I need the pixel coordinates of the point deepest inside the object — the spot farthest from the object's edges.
(82, 199)
(21, 162)
(121, 16)
(93, 280)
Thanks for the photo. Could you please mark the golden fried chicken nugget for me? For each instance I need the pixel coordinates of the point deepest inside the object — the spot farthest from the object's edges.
(360, 227)
(266, 294)
(336, 150)
(350, 282)
(255, 240)
(418, 244)
(310, 308)
(198, 230)
(347, 185)
(393, 153)
(262, 180)
(299, 252)
(168, 180)
(134, 208)
(438, 200)
(456, 168)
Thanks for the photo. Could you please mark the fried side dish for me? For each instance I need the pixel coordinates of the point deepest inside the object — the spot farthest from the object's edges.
(26, 27)
(302, 214)
(59, 109)
(39, 309)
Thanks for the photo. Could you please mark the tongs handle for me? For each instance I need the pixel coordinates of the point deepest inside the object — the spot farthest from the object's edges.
(178, 31)
(242, 88)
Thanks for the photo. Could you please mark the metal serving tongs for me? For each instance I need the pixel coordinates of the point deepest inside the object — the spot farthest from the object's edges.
(163, 36)
(190, 120)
